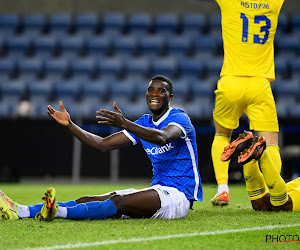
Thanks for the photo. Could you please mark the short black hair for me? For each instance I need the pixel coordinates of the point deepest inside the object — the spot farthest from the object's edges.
(164, 79)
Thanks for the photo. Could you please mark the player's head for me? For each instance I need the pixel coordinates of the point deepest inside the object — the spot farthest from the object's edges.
(164, 79)
(159, 94)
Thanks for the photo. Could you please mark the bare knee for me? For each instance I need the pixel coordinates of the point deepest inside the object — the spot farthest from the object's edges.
(87, 198)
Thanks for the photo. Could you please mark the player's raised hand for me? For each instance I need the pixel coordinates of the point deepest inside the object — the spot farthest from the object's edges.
(62, 117)
(108, 117)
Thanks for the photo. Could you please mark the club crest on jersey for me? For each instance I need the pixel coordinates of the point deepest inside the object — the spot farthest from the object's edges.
(159, 150)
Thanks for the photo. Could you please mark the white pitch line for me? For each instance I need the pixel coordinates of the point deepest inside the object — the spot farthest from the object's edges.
(172, 236)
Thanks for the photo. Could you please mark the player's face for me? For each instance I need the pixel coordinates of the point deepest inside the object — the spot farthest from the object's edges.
(158, 96)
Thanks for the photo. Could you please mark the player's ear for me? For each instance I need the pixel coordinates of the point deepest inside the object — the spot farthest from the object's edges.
(171, 97)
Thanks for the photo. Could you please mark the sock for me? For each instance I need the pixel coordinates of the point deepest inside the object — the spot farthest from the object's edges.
(222, 188)
(92, 210)
(255, 182)
(71, 203)
(275, 183)
(273, 151)
(35, 209)
(61, 212)
(220, 167)
(23, 211)
(31, 211)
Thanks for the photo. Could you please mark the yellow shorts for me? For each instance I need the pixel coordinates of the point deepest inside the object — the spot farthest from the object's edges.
(252, 95)
(293, 189)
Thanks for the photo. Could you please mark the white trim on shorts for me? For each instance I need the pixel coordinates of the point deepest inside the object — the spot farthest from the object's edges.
(174, 204)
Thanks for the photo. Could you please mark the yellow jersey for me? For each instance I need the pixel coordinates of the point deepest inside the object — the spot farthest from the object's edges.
(248, 30)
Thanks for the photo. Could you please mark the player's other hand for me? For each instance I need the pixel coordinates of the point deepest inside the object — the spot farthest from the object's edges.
(62, 117)
(112, 118)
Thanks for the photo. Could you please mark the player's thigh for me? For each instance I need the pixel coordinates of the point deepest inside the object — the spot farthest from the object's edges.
(174, 204)
(261, 108)
(229, 103)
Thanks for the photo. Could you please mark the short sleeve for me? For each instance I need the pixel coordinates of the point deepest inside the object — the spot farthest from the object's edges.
(135, 140)
(182, 121)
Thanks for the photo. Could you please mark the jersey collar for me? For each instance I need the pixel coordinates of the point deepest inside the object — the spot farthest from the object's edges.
(160, 120)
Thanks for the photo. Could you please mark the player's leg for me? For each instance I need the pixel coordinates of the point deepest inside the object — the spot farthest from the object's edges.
(263, 117)
(256, 187)
(227, 111)
(293, 188)
(272, 147)
(221, 140)
(103, 197)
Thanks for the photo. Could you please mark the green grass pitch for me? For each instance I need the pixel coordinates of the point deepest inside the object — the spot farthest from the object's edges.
(205, 227)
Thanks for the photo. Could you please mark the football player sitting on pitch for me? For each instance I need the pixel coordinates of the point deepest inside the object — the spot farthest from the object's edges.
(265, 183)
(168, 138)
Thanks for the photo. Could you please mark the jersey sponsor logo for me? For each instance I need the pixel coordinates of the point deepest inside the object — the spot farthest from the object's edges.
(255, 5)
(159, 150)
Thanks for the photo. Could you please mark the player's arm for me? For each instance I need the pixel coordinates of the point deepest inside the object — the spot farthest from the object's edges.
(155, 136)
(113, 141)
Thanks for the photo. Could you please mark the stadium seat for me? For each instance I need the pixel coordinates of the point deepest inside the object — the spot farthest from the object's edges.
(178, 45)
(191, 67)
(288, 88)
(9, 23)
(60, 23)
(86, 23)
(45, 46)
(214, 66)
(123, 88)
(199, 108)
(6, 109)
(151, 45)
(7, 68)
(34, 24)
(137, 67)
(40, 91)
(202, 89)
(67, 91)
(135, 109)
(166, 24)
(29, 68)
(295, 22)
(83, 68)
(12, 91)
(18, 46)
(113, 23)
(182, 89)
(281, 67)
(294, 64)
(140, 24)
(214, 23)
(98, 46)
(167, 66)
(294, 111)
(283, 22)
(71, 46)
(95, 90)
(287, 46)
(110, 66)
(193, 24)
(124, 45)
(56, 68)
(205, 46)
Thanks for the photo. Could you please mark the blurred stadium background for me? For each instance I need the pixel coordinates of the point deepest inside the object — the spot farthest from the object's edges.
(90, 53)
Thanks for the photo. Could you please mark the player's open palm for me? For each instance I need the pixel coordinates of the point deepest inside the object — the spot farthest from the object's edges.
(62, 117)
